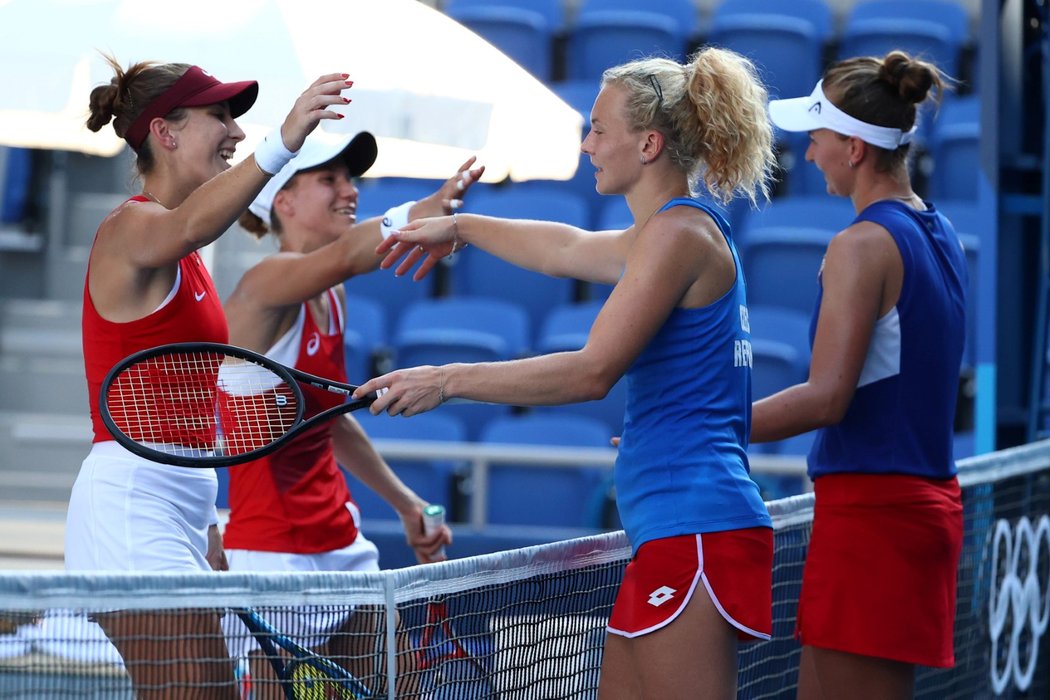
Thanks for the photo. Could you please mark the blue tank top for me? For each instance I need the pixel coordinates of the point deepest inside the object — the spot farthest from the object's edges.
(682, 465)
(901, 417)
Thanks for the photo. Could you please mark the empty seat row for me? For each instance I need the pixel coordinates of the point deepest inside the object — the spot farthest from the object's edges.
(787, 41)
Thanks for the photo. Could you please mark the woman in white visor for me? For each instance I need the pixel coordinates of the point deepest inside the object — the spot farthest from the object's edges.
(878, 590)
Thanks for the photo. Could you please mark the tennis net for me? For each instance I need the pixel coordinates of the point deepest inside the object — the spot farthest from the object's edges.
(515, 625)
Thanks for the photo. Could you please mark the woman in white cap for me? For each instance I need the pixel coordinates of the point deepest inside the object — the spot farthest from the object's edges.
(878, 591)
(292, 510)
(146, 286)
(676, 325)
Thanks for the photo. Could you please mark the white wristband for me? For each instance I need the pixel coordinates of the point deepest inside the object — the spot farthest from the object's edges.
(394, 219)
(272, 154)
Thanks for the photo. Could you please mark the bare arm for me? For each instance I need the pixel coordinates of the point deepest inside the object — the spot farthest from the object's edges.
(148, 235)
(356, 454)
(555, 249)
(276, 286)
(857, 267)
(133, 261)
(663, 268)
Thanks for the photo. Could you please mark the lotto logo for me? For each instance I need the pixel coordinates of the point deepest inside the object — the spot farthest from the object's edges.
(1020, 595)
(661, 595)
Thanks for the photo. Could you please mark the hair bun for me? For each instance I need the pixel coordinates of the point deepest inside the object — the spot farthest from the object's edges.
(909, 77)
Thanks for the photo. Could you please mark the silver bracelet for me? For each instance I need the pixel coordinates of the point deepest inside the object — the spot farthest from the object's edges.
(456, 244)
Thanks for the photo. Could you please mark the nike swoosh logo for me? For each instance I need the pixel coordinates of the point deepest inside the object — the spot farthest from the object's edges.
(200, 296)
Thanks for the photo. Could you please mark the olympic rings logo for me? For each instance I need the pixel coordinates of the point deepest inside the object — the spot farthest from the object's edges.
(1020, 593)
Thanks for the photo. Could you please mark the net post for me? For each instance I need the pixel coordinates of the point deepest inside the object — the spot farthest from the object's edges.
(391, 635)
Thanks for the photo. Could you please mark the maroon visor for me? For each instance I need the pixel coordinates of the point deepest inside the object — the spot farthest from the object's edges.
(195, 88)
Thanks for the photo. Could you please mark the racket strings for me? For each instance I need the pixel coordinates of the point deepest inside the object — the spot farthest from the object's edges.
(312, 683)
(201, 403)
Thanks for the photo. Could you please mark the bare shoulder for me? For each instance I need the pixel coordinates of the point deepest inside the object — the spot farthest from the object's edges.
(864, 238)
(684, 224)
(124, 220)
(865, 248)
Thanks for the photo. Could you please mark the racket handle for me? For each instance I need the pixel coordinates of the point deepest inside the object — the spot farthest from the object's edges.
(433, 519)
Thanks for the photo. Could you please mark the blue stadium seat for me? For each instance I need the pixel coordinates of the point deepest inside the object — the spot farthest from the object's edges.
(789, 326)
(600, 39)
(780, 342)
(552, 11)
(479, 274)
(580, 95)
(800, 177)
(434, 480)
(376, 195)
(776, 366)
(393, 293)
(817, 211)
(683, 12)
(785, 40)
(538, 495)
(567, 328)
(523, 34)
(15, 177)
(365, 336)
(781, 265)
(932, 29)
(955, 149)
(462, 329)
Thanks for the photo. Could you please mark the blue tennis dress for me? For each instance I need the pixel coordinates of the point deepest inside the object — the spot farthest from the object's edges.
(682, 465)
(908, 385)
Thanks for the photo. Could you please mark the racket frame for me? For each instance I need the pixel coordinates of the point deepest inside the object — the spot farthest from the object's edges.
(291, 376)
(270, 639)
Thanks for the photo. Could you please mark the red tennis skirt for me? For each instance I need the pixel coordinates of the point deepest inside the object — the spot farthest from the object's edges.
(880, 575)
(734, 566)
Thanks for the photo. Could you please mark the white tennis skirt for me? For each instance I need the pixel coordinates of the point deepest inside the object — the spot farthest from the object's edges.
(129, 514)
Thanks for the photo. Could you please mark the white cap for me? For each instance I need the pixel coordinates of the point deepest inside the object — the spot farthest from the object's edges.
(818, 112)
(358, 151)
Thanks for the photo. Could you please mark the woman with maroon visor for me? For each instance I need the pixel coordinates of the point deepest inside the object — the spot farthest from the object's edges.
(146, 285)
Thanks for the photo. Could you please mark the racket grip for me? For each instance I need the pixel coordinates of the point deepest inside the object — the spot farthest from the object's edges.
(433, 519)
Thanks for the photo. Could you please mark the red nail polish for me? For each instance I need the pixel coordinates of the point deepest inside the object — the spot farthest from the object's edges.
(349, 83)
(346, 100)
(339, 116)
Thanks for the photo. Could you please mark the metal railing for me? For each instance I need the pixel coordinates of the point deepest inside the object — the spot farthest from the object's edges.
(481, 457)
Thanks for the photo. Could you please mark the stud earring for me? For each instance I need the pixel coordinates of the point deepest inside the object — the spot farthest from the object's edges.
(644, 161)
(852, 164)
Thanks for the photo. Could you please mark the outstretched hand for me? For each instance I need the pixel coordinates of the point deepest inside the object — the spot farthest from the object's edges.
(450, 195)
(312, 106)
(444, 201)
(408, 391)
(432, 238)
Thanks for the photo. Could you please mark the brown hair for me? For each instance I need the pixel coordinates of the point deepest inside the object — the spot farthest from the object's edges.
(884, 91)
(127, 94)
(712, 113)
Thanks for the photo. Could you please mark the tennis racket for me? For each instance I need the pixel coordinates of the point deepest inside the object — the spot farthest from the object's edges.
(209, 404)
(305, 675)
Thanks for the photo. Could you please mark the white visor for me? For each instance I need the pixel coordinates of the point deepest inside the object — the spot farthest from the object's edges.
(358, 151)
(817, 112)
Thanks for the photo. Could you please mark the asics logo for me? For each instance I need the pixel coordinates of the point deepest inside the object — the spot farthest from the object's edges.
(313, 344)
(1020, 594)
(199, 295)
(661, 595)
